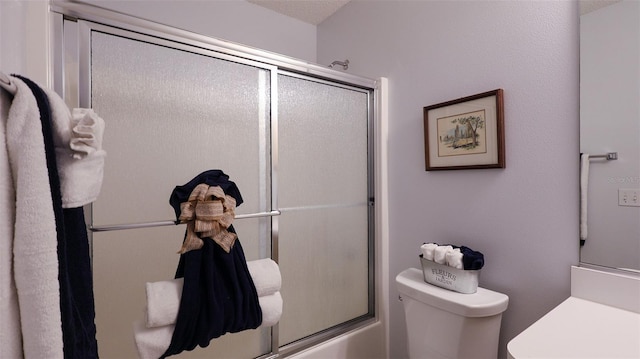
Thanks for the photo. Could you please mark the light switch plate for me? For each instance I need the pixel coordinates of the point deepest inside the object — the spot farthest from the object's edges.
(629, 197)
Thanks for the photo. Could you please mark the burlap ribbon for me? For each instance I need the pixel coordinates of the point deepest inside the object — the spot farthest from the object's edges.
(208, 213)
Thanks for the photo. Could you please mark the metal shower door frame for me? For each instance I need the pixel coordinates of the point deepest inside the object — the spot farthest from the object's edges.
(90, 19)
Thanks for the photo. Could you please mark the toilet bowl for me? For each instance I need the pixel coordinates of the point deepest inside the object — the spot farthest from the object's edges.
(442, 324)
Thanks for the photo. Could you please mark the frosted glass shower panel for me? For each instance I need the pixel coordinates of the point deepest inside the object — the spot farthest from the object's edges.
(323, 144)
(123, 262)
(323, 259)
(171, 114)
(323, 196)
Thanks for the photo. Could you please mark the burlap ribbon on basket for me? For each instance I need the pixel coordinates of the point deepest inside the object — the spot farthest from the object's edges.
(208, 213)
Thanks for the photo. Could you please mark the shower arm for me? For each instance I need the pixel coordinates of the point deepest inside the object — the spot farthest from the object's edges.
(344, 64)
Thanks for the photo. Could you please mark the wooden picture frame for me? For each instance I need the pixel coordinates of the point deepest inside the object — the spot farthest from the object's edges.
(467, 133)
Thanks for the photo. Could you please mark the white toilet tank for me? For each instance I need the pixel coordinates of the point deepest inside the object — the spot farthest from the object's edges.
(442, 324)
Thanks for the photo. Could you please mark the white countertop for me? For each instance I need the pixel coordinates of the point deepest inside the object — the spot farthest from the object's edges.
(578, 328)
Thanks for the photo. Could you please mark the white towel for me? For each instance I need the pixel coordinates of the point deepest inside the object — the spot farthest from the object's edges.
(454, 258)
(29, 254)
(163, 302)
(11, 336)
(151, 342)
(163, 297)
(427, 250)
(87, 129)
(584, 190)
(266, 276)
(80, 158)
(440, 254)
(271, 306)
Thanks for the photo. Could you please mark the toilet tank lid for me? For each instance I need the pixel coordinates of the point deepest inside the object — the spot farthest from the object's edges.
(483, 303)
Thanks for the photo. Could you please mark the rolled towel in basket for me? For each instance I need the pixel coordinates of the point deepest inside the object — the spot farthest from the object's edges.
(427, 250)
(454, 258)
(440, 254)
(472, 260)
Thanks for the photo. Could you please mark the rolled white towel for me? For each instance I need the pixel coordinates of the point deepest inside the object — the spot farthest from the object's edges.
(271, 306)
(163, 302)
(440, 254)
(427, 250)
(454, 258)
(266, 276)
(162, 310)
(151, 342)
(163, 297)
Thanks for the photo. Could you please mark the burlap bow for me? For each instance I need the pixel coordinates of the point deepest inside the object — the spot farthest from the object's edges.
(208, 213)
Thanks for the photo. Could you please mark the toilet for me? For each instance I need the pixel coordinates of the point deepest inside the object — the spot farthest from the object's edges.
(443, 324)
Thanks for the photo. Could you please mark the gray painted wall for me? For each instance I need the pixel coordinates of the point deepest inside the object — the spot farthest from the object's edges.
(524, 218)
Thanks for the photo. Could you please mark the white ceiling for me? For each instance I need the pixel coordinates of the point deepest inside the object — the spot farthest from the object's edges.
(587, 6)
(316, 11)
(309, 11)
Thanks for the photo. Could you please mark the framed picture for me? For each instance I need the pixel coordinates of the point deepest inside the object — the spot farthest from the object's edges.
(467, 133)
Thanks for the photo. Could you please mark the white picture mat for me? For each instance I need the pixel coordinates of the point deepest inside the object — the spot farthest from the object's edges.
(490, 157)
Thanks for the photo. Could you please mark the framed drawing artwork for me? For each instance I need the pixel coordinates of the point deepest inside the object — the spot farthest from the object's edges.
(467, 133)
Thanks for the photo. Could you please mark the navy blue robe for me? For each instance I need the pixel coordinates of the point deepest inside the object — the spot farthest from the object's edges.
(219, 295)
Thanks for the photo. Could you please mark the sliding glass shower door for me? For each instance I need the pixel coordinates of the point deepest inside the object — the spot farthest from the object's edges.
(171, 114)
(297, 146)
(323, 197)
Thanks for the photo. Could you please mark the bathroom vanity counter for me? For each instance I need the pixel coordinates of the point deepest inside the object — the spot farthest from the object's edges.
(579, 328)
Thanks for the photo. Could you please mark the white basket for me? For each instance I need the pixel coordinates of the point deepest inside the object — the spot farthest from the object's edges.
(459, 280)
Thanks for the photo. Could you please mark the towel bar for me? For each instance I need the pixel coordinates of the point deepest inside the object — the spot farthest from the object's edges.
(7, 84)
(609, 156)
(117, 227)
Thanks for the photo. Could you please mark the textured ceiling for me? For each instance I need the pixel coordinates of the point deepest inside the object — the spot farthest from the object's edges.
(316, 11)
(587, 6)
(310, 11)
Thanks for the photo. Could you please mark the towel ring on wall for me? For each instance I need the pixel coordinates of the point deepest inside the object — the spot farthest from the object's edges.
(7, 84)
